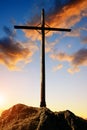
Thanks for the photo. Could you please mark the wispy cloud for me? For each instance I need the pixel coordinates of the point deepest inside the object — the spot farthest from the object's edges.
(75, 60)
(50, 45)
(76, 32)
(84, 40)
(58, 67)
(61, 56)
(9, 32)
(69, 46)
(73, 70)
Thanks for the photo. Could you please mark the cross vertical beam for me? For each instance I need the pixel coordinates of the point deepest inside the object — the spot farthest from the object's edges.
(42, 29)
(43, 102)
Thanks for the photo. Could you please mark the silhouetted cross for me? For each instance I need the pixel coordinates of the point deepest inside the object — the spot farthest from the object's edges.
(43, 28)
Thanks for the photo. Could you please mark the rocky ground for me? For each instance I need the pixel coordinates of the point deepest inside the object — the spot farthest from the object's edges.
(22, 117)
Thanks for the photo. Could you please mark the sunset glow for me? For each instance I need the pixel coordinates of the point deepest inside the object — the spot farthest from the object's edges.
(65, 56)
(2, 101)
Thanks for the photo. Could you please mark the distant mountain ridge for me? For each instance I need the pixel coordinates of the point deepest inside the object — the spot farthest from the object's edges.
(22, 117)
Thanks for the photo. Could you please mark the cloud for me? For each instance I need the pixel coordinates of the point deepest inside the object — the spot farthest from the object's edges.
(84, 40)
(32, 34)
(80, 58)
(58, 67)
(75, 60)
(69, 46)
(61, 57)
(64, 15)
(13, 52)
(76, 32)
(9, 32)
(50, 45)
(69, 14)
(73, 70)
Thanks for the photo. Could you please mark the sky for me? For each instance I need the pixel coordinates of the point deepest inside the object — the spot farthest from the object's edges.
(66, 54)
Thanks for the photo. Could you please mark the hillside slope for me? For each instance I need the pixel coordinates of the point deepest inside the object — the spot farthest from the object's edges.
(22, 117)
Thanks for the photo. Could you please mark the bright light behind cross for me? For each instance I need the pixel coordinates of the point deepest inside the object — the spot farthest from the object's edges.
(2, 100)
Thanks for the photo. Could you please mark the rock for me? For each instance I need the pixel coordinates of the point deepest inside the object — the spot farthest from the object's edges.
(22, 117)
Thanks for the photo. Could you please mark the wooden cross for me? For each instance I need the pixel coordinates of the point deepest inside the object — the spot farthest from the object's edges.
(43, 28)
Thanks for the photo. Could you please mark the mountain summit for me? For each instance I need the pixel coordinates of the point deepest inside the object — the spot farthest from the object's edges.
(22, 117)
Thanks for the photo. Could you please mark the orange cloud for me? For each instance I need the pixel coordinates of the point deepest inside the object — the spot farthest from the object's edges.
(76, 32)
(69, 15)
(12, 53)
(75, 60)
(61, 57)
(50, 45)
(66, 17)
(73, 70)
(58, 67)
(32, 34)
(80, 58)
(84, 40)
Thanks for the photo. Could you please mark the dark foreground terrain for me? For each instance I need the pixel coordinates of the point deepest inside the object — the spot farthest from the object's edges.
(22, 117)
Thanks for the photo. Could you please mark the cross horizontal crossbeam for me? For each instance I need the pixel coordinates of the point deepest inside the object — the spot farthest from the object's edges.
(40, 28)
